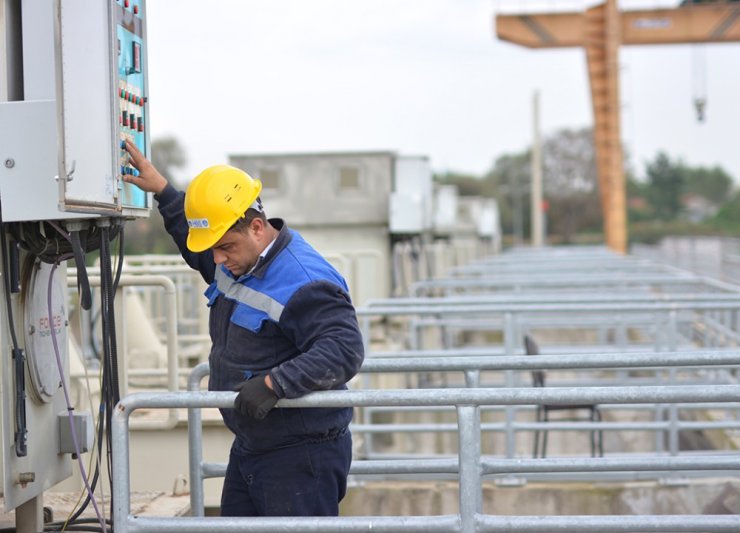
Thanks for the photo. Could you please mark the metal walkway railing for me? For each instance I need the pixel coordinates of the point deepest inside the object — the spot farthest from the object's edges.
(470, 466)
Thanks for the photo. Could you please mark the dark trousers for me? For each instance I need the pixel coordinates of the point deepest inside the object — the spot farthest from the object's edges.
(309, 479)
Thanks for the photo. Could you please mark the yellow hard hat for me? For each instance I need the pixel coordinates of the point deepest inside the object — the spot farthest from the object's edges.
(214, 200)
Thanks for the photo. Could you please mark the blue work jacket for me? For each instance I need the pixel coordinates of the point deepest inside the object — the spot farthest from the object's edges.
(291, 318)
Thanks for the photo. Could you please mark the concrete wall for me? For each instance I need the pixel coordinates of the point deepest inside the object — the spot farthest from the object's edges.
(309, 193)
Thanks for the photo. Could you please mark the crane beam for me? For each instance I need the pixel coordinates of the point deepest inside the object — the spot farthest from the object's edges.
(693, 23)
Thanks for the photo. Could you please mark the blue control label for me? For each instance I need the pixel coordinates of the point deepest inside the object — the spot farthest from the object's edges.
(132, 93)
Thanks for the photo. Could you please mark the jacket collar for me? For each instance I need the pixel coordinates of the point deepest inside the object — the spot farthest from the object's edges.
(283, 239)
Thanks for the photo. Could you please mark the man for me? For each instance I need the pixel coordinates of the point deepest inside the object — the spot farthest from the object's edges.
(282, 325)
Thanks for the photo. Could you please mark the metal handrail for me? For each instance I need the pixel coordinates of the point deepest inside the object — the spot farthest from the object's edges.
(475, 364)
(471, 467)
(395, 307)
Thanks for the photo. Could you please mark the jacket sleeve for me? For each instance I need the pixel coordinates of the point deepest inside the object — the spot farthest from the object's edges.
(172, 207)
(322, 323)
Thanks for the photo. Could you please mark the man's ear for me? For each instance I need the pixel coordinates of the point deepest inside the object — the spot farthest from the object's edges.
(258, 227)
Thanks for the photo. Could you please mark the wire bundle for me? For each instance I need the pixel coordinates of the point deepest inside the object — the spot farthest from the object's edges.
(51, 243)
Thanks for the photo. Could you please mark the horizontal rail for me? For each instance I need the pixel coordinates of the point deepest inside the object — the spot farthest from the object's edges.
(427, 397)
(492, 465)
(435, 524)
(601, 280)
(554, 425)
(569, 298)
(415, 361)
(391, 308)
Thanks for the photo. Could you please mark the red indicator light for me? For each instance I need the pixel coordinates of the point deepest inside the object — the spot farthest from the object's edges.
(136, 10)
(136, 51)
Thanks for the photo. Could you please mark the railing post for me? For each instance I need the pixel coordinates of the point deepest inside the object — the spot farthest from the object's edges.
(472, 378)
(366, 412)
(195, 444)
(471, 494)
(672, 380)
(121, 504)
(510, 410)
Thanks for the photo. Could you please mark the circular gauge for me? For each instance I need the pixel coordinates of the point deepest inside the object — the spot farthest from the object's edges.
(40, 353)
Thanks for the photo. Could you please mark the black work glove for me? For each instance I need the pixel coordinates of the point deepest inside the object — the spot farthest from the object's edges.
(255, 398)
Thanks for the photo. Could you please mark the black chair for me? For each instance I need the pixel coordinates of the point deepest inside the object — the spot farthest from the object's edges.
(543, 411)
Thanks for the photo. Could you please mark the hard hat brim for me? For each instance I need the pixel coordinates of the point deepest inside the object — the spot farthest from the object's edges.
(201, 240)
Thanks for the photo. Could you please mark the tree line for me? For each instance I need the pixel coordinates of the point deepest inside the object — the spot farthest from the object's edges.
(669, 197)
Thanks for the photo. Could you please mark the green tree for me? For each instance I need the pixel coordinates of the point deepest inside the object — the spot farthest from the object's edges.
(509, 181)
(665, 180)
(147, 235)
(714, 184)
(727, 218)
(638, 205)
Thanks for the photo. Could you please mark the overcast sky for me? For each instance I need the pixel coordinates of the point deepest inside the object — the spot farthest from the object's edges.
(419, 77)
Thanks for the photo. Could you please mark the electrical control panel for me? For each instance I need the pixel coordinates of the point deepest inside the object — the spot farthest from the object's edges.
(104, 101)
(82, 70)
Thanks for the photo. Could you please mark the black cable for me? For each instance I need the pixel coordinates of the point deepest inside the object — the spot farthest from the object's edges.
(60, 523)
(21, 433)
(108, 370)
(107, 316)
(112, 340)
(83, 283)
(110, 389)
(42, 240)
(83, 528)
(78, 525)
(119, 268)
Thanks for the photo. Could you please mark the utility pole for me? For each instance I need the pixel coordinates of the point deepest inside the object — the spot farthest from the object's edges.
(538, 232)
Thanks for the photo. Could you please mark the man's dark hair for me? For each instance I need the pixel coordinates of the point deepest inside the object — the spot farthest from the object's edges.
(243, 223)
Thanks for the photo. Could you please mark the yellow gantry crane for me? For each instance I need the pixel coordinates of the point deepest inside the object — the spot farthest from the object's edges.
(600, 30)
